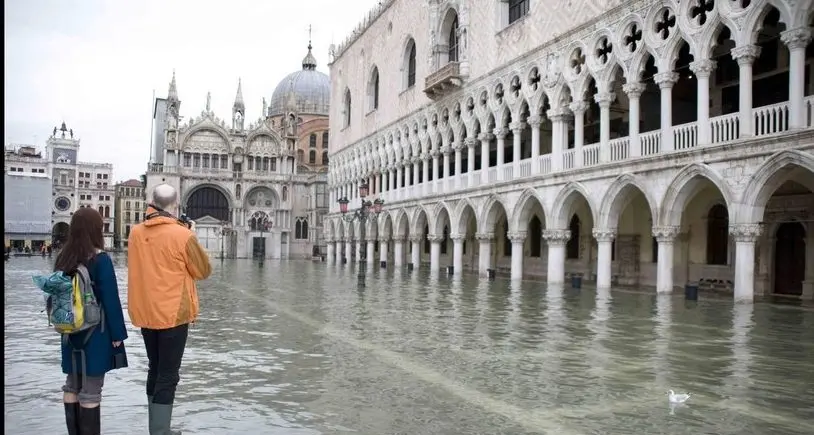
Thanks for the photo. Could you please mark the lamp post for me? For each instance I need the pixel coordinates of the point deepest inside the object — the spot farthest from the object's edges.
(223, 232)
(368, 210)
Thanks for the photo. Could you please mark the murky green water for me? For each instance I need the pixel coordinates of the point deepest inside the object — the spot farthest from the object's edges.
(299, 348)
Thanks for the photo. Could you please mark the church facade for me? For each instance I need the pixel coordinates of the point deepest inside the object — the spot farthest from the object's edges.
(633, 143)
(255, 189)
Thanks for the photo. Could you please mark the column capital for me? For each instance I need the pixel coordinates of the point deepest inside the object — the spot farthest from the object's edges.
(796, 39)
(634, 89)
(446, 150)
(426, 157)
(458, 145)
(534, 121)
(517, 236)
(666, 234)
(470, 142)
(404, 162)
(748, 233)
(416, 159)
(517, 127)
(666, 80)
(458, 238)
(604, 234)
(703, 68)
(501, 133)
(435, 153)
(416, 238)
(383, 239)
(746, 54)
(604, 99)
(486, 136)
(577, 107)
(485, 237)
(329, 239)
(560, 113)
(557, 237)
(347, 239)
(398, 238)
(435, 238)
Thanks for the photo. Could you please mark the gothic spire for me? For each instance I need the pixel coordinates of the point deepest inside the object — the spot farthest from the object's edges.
(309, 62)
(239, 105)
(173, 92)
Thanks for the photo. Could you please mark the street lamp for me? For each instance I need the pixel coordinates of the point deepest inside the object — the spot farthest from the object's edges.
(223, 232)
(368, 210)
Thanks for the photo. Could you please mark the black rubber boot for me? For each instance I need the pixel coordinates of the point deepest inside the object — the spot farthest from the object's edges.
(72, 418)
(90, 421)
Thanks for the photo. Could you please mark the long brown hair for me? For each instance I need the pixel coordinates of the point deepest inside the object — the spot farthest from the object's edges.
(84, 238)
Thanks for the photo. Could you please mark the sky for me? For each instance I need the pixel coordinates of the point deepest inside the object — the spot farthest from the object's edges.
(95, 63)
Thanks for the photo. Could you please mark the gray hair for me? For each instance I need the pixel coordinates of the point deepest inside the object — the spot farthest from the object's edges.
(165, 196)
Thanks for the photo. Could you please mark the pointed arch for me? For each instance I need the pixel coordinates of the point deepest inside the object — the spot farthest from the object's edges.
(386, 227)
(463, 213)
(685, 185)
(340, 230)
(440, 215)
(489, 213)
(563, 206)
(522, 212)
(419, 220)
(330, 229)
(619, 194)
(402, 221)
(775, 171)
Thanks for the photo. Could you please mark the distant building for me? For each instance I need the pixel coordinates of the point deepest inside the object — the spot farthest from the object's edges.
(27, 214)
(255, 189)
(129, 210)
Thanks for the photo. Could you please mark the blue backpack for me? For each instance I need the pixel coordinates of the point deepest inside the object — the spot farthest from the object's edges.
(70, 301)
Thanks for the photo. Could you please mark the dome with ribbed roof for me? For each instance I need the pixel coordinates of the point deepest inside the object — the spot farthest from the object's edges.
(311, 90)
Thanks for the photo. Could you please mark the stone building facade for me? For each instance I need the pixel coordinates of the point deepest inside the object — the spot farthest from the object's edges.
(128, 211)
(255, 189)
(639, 143)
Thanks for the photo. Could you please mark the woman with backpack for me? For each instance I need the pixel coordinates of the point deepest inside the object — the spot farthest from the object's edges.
(88, 355)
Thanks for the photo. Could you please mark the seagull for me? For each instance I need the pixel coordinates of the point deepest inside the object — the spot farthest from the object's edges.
(677, 398)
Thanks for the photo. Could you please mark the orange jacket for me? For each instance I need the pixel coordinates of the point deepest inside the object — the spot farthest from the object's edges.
(164, 260)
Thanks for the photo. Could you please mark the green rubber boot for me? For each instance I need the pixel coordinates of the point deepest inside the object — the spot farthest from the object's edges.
(159, 418)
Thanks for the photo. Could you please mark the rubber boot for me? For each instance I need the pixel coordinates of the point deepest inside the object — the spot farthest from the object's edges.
(90, 421)
(72, 418)
(160, 418)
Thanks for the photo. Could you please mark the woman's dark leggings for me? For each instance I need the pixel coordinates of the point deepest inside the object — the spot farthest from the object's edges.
(165, 349)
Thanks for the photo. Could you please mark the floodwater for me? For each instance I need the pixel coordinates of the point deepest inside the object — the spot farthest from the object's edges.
(300, 348)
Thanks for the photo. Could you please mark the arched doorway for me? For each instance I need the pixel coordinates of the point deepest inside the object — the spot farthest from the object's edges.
(790, 259)
(59, 234)
(208, 201)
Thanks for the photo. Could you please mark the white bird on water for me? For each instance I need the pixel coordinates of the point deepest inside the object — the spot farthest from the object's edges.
(677, 398)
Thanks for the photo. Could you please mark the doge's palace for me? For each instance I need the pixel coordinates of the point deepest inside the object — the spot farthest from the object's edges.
(255, 189)
(635, 143)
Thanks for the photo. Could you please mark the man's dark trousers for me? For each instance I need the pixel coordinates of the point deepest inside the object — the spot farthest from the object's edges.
(165, 349)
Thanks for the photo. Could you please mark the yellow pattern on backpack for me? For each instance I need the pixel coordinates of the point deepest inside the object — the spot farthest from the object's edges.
(78, 306)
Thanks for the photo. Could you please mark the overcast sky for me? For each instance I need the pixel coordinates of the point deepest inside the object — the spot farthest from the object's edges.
(95, 63)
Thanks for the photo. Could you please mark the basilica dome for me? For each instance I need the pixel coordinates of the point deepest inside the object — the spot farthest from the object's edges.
(310, 89)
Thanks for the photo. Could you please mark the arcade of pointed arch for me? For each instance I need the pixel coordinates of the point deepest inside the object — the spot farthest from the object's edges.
(564, 69)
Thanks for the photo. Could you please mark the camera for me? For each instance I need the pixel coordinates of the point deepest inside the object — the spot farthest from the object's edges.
(185, 220)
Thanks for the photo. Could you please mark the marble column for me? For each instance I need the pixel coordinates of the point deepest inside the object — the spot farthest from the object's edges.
(703, 70)
(370, 252)
(665, 237)
(558, 141)
(415, 254)
(745, 236)
(398, 251)
(399, 176)
(517, 138)
(556, 241)
(797, 40)
(426, 157)
(435, 251)
(485, 139)
(470, 144)
(500, 134)
(666, 81)
(339, 243)
(485, 252)
(634, 91)
(604, 254)
(457, 253)
(446, 150)
(745, 55)
(457, 147)
(330, 257)
(435, 164)
(383, 243)
(348, 250)
(534, 123)
(416, 162)
(604, 100)
(517, 238)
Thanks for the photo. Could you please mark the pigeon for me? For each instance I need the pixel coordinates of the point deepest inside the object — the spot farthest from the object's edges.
(677, 398)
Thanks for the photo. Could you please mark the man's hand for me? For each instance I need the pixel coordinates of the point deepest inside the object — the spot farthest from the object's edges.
(117, 343)
(192, 225)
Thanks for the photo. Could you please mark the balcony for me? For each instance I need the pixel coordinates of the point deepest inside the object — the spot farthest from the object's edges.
(767, 121)
(445, 80)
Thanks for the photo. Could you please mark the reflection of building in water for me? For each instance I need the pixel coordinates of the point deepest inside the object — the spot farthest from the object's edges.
(74, 184)
(635, 142)
(256, 189)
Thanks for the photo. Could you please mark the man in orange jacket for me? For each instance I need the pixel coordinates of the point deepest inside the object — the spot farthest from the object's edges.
(164, 260)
